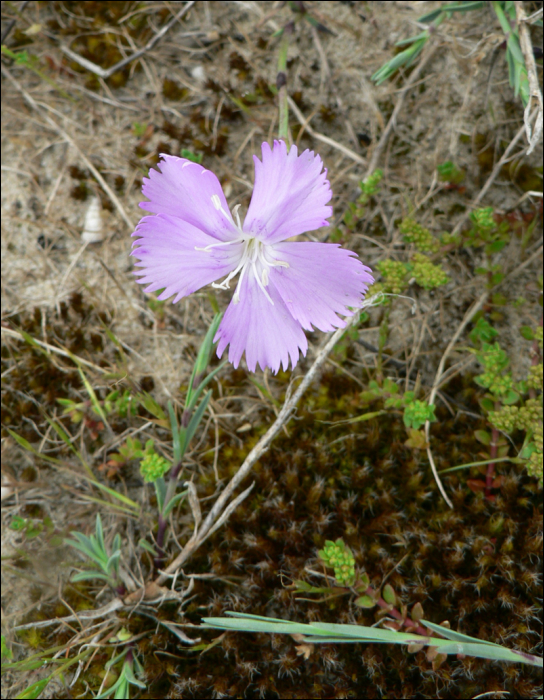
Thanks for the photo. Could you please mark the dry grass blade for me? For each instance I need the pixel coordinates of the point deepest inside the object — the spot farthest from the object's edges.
(321, 137)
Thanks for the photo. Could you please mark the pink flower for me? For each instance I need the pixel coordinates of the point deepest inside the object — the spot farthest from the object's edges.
(283, 287)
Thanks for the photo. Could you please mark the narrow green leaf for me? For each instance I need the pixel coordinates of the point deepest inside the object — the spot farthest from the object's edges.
(173, 503)
(197, 417)
(149, 403)
(148, 548)
(94, 400)
(36, 689)
(30, 340)
(203, 357)
(203, 384)
(113, 562)
(100, 533)
(27, 446)
(89, 575)
(175, 433)
(119, 496)
(89, 552)
(160, 492)
(478, 464)
(264, 391)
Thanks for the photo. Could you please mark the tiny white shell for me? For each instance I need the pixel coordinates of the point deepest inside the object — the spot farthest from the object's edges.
(92, 228)
(199, 74)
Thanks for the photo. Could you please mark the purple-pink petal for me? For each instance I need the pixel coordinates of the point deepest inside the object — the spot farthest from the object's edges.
(166, 249)
(267, 333)
(290, 194)
(185, 189)
(322, 280)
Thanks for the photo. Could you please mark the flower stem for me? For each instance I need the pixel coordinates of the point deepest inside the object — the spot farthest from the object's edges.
(281, 84)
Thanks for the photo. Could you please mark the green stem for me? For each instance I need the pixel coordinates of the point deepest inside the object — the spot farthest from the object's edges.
(281, 82)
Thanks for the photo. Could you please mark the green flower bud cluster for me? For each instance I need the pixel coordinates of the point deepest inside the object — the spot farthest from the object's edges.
(483, 219)
(426, 274)
(370, 185)
(530, 415)
(417, 412)
(499, 385)
(340, 558)
(493, 358)
(394, 276)
(535, 378)
(534, 465)
(506, 419)
(421, 237)
(153, 466)
(450, 238)
(495, 361)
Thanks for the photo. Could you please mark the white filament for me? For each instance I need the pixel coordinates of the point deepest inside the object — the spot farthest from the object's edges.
(254, 253)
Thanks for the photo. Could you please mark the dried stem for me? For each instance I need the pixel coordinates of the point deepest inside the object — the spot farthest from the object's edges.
(321, 137)
(533, 136)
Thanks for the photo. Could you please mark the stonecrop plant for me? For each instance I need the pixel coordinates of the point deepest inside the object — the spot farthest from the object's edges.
(192, 240)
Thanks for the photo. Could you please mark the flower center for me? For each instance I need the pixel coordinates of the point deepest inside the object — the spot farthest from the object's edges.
(255, 255)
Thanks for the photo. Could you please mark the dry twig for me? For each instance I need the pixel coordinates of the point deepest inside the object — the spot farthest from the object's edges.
(533, 136)
(321, 137)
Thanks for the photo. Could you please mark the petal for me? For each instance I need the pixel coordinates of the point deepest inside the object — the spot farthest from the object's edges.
(166, 249)
(322, 280)
(267, 332)
(289, 196)
(185, 189)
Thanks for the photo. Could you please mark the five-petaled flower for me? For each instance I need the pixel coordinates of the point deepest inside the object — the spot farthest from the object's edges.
(283, 286)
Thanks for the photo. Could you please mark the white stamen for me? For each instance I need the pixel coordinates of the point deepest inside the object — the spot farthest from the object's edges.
(253, 252)
(237, 215)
